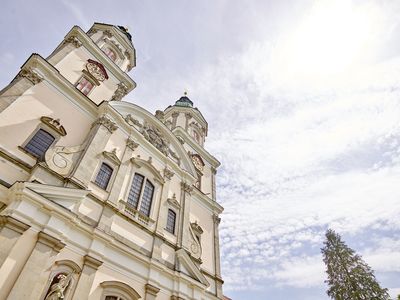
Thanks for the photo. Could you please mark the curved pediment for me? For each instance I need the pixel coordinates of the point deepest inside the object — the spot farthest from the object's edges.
(156, 133)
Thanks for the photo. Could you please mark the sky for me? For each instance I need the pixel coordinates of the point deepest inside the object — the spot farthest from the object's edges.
(303, 104)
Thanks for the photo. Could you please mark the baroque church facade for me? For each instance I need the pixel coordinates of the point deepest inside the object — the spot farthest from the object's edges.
(100, 199)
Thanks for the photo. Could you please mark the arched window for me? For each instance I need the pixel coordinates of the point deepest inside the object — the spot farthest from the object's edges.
(103, 176)
(140, 196)
(39, 143)
(110, 53)
(171, 219)
(115, 290)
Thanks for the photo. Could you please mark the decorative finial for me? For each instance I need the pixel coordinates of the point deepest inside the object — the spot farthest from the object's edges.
(185, 93)
(126, 28)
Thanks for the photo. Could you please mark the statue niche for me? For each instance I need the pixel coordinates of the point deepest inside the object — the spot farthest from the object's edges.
(58, 286)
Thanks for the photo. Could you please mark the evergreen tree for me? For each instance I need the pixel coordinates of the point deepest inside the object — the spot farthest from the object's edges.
(349, 277)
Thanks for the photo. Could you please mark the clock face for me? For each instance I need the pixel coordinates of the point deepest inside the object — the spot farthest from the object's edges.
(197, 162)
(96, 71)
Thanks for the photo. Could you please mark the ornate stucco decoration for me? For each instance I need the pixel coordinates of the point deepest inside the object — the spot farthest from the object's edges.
(155, 137)
(61, 159)
(92, 31)
(132, 121)
(54, 124)
(173, 202)
(160, 115)
(195, 244)
(186, 187)
(112, 156)
(96, 70)
(74, 41)
(29, 74)
(131, 144)
(168, 173)
(107, 33)
(127, 55)
(114, 45)
(107, 123)
(120, 92)
(216, 220)
(198, 162)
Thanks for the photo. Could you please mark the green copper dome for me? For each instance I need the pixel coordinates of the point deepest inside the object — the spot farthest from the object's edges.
(184, 101)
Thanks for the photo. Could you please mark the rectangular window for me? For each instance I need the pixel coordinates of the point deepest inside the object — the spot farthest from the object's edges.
(84, 85)
(39, 143)
(103, 176)
(147, 198)
(171, 221)
(134, 193)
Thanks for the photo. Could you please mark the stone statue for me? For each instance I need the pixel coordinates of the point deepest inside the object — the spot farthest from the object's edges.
(58, 288)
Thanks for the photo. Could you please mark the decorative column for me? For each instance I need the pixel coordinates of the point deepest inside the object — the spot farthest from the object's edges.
(151, 292)
(218, 283)
(85, 281)
(16, 243)
(97, 139)
(115, 193)
(36, 271)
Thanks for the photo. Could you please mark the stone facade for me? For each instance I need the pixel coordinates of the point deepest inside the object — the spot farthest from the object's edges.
(100, 199)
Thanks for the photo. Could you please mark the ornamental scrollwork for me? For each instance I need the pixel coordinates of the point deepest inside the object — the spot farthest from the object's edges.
(186, 187)
(74, 41)
(155, 137)
(168, 173)
(120, 92)
(107, 123)
(31, 75)
(131, 144)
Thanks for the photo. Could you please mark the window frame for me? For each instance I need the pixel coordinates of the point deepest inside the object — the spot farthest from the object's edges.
(141, 193)
(114, 165)
(48, 129)
(88, 79)
(106, 188)
(174, 226)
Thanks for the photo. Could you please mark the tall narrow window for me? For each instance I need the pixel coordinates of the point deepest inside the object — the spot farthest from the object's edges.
(171, 221)
(147, 197)
(39, 143)
(110, 53)
(134, 193)
(103, 176)
(84, 85)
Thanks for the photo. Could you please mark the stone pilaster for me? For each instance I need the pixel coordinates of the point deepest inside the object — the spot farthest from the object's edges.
(151, 291)
(184, 222)
(97, 139)
(35, 273)
(218, 283)
(116, 192)
(85, 281)
(17, 255)
(174, 119)
(188, 116)
(10, 230)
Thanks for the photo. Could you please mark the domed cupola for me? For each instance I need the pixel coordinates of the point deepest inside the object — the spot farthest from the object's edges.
(184, 101)
(183, 116)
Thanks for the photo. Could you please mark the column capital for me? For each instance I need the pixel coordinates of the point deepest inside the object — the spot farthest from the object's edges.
(13, 224)
(151, 289)
(50, 241)
(90, 261)
(107, 123)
